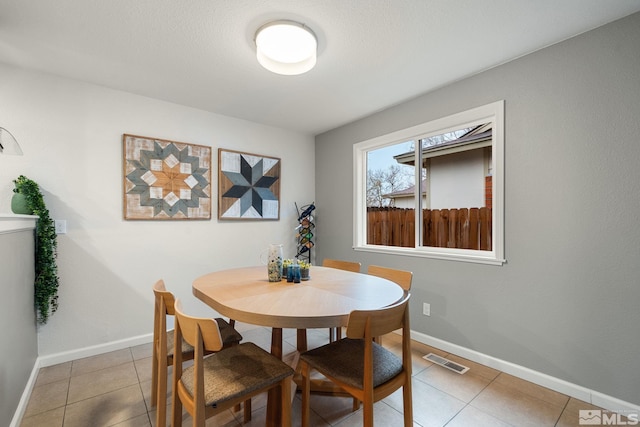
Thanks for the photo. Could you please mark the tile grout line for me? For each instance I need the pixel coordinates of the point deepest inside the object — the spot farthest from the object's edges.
(140, 387)
(468, 404)
(562, 412)
(66, 399)
(480, 392)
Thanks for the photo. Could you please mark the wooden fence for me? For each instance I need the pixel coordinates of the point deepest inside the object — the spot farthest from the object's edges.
(443, 228)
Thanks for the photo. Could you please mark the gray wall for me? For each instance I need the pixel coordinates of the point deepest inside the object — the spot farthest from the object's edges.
(19, 348)
(566, 301)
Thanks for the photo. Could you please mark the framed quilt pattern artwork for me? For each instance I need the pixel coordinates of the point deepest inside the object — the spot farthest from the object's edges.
(248, 186)
(165, 179)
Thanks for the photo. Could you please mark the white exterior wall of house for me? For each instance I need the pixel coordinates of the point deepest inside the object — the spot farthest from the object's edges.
(457, 180)
(407, 202)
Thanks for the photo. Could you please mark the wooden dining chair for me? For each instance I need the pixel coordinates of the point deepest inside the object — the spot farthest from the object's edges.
(163, 349)
(360, 366)
(342, 265)
(336, 333)
(225, 378)
(402, 277)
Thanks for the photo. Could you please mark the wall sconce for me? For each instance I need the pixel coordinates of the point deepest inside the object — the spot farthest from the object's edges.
(8, 144)
(286, 47)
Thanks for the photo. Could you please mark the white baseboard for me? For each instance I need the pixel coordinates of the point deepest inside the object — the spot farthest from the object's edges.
(26, 395)
(582, 393)
(67, 356)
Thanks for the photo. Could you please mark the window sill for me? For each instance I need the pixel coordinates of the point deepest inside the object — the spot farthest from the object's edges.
(462, 255)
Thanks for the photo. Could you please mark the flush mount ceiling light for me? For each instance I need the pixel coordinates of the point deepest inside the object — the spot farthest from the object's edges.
(286, 47)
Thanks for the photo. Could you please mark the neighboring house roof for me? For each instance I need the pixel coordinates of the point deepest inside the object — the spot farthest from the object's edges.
(478, 137)
(407, 192)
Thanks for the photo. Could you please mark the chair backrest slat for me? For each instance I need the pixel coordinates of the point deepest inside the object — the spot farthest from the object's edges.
(401, 277)
(190, 327)
(342, 265)
(380, 321)
(167, 297)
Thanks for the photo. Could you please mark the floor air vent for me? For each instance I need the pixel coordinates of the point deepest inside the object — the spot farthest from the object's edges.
(446, 363)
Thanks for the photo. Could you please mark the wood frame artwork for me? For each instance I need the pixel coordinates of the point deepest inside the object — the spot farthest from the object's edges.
(248, 186)
(165, 179)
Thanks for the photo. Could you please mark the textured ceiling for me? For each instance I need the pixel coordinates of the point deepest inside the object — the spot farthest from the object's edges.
(372, 53)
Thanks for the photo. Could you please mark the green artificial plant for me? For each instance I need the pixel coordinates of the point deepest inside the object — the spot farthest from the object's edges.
(46, 269)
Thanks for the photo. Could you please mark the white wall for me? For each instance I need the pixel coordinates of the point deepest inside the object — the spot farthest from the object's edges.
(71, 135)
(566, 302)
(18, 332)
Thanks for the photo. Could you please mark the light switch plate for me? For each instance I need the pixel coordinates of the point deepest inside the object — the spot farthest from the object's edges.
(61, 226)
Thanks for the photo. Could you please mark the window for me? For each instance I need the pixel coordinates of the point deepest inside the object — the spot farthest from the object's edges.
(448, 205)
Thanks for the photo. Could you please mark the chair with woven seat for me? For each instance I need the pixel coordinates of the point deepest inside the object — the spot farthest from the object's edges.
(401, 277)
(336, 333)
(163, 349)
(364, 369)
(225, 378)
(342, 265)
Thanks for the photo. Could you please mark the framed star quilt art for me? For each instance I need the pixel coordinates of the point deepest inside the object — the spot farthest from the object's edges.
(165, 179)
(248, 186)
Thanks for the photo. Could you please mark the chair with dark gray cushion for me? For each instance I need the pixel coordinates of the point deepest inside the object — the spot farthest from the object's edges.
(342, 265)
(163, 349)
(361, 367)
(402, 278)
(225, 378)
(336, 333)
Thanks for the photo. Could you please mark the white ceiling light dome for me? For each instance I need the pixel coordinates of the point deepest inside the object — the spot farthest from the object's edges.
(286, 47)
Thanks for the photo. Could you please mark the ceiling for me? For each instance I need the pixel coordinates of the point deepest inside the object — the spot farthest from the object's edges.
(372, 54)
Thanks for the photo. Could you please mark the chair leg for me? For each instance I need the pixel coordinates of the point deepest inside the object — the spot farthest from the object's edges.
(285, 389)
(161, 393)
(367, 413)
(198, 417)
(306, 393)
(407, 404)
(161, 407)
(154, 378)
(176, 406)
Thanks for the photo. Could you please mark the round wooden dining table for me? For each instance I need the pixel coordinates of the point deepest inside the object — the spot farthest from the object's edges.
(324, 301)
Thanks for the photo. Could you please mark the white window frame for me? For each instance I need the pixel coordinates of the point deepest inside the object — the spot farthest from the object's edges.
(494, 113)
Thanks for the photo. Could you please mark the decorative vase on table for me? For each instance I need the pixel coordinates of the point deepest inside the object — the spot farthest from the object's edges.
(274, 262)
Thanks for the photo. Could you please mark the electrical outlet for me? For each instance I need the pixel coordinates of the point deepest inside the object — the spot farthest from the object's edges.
(61, 226)
(426, 309)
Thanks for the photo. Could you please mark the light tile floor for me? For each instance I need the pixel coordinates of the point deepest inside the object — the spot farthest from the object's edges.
(113, 389)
